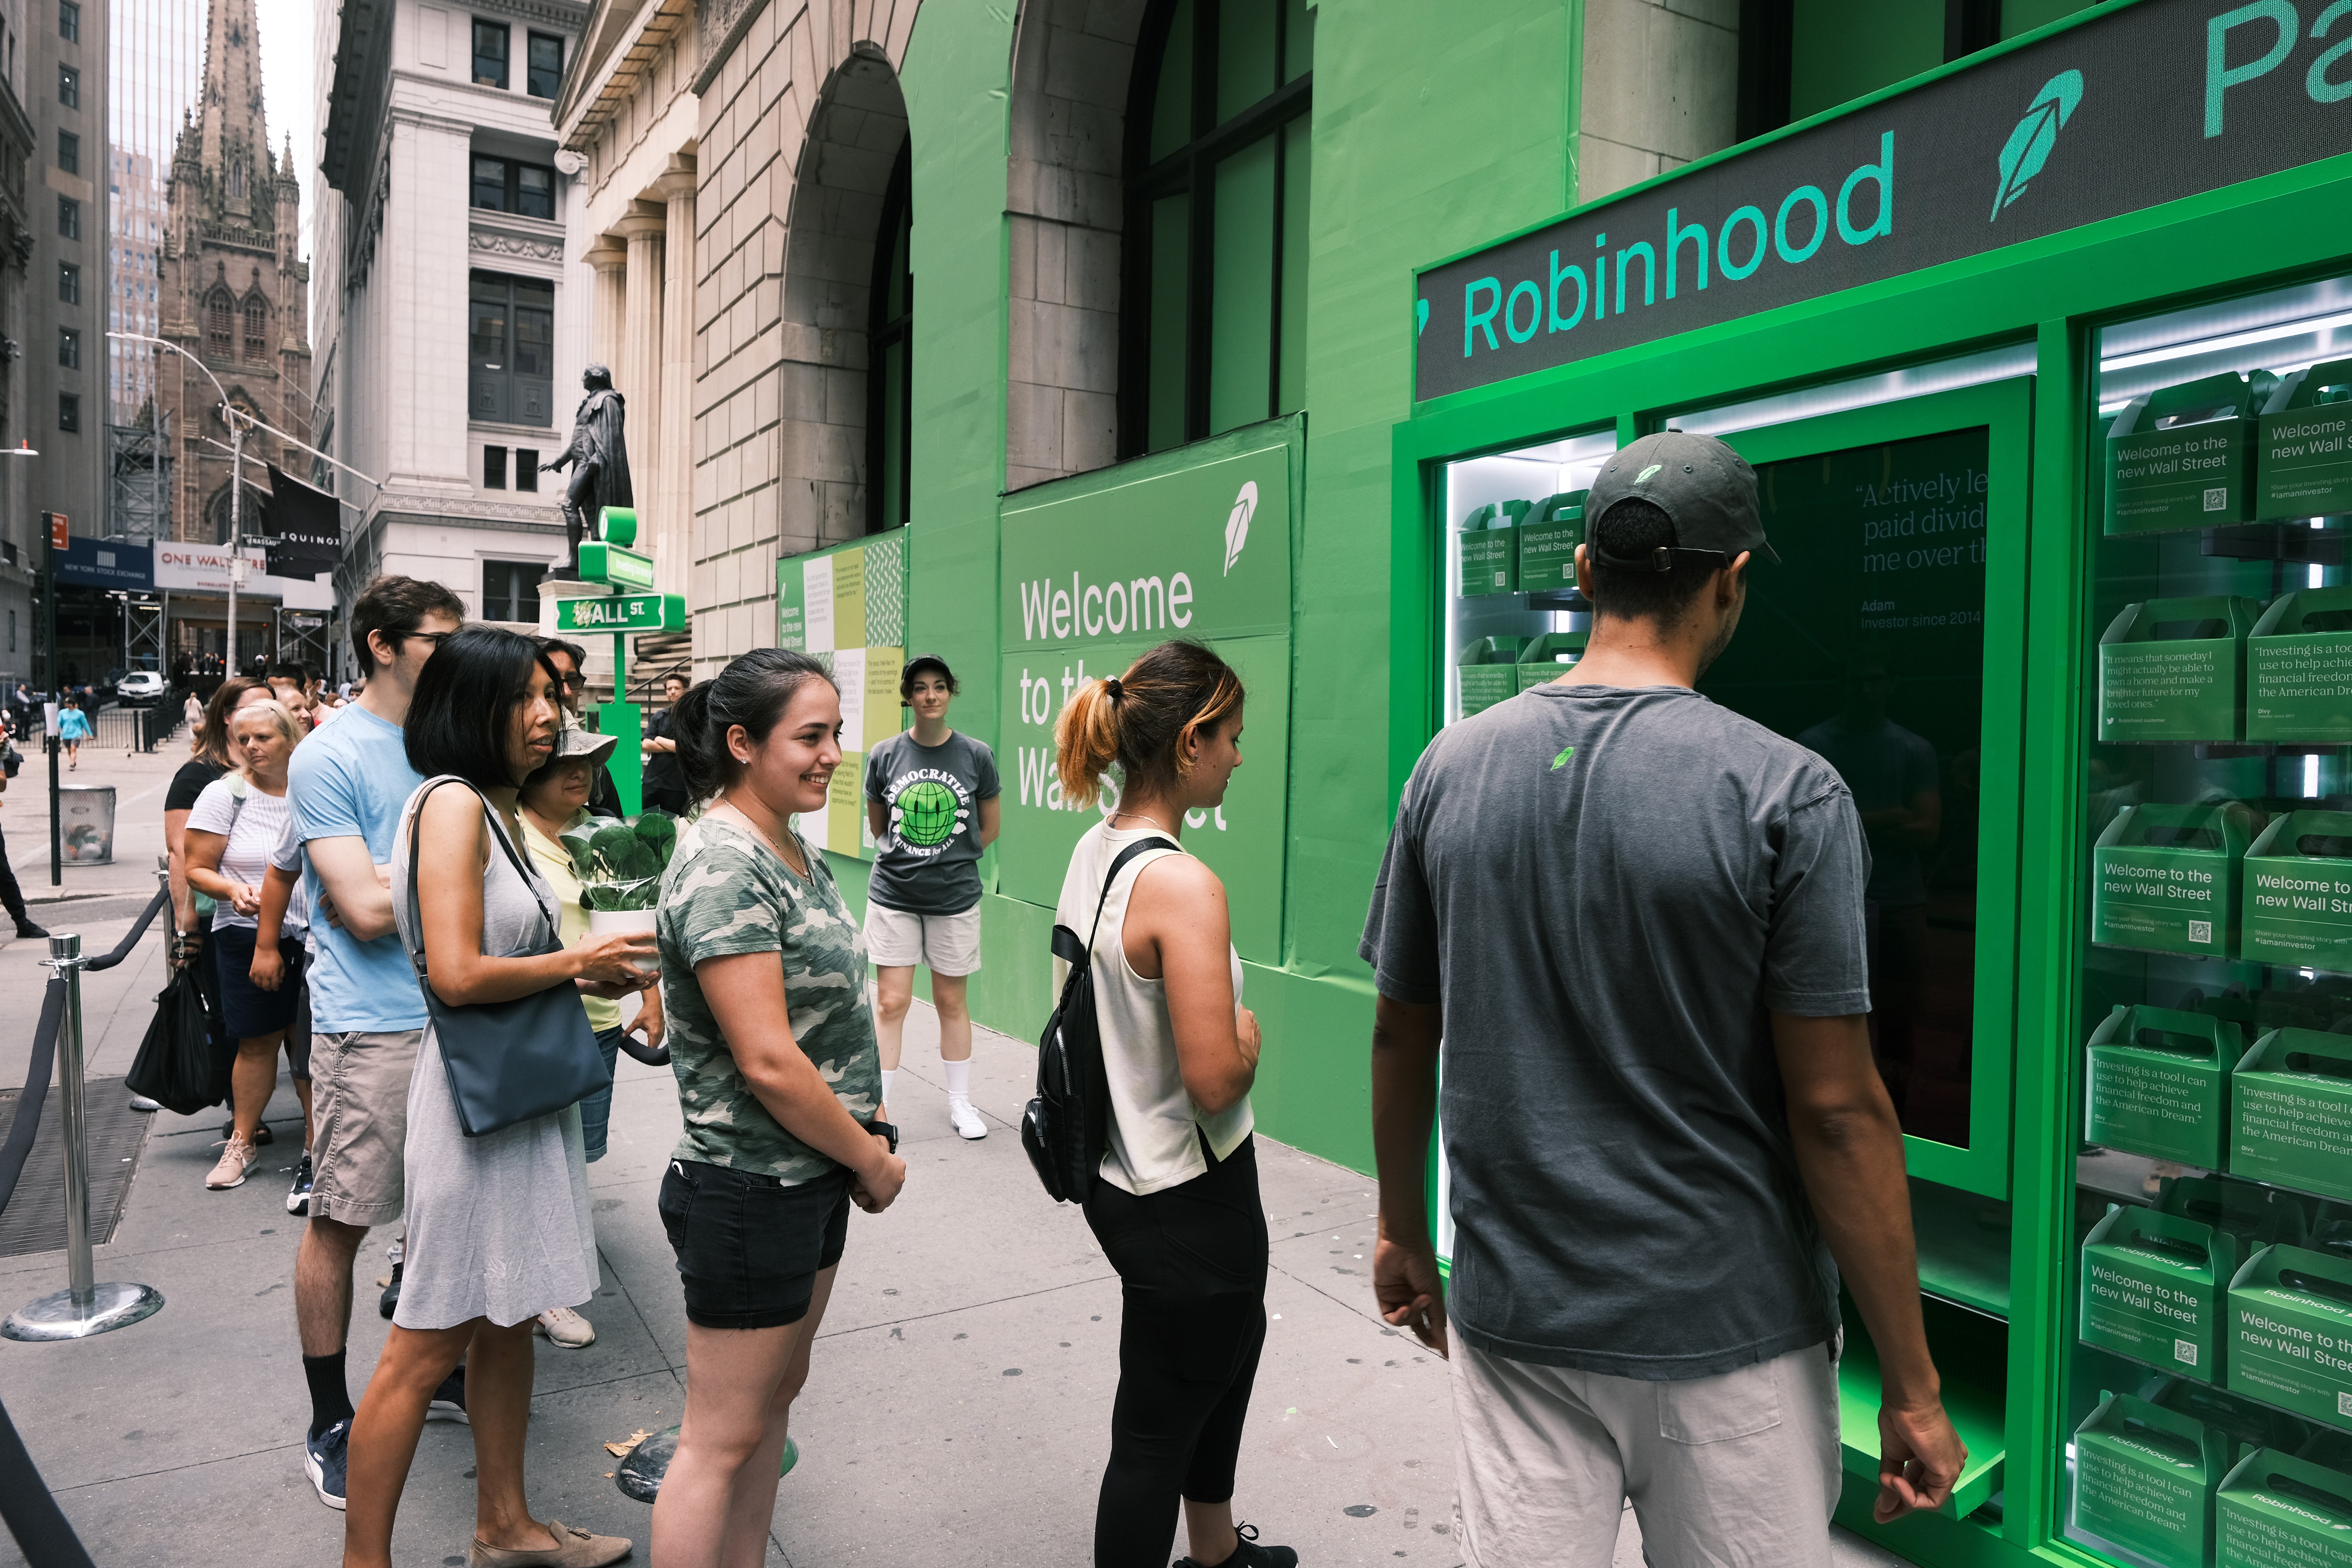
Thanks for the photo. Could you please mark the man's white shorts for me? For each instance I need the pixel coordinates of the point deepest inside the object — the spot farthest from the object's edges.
(1737, 1469)
(945, 944)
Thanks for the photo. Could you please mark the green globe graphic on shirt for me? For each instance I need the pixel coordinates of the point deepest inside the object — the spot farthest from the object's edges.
(927, 814)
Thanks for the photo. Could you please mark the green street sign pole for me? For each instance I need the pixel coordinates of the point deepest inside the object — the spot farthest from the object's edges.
(621, 569)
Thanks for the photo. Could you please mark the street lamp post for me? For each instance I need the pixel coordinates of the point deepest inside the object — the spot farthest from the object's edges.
(235, 473)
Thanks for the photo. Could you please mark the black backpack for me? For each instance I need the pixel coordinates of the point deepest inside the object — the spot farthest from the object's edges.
(1067, 1124)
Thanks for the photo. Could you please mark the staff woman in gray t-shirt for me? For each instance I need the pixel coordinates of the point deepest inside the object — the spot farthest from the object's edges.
(931, 801)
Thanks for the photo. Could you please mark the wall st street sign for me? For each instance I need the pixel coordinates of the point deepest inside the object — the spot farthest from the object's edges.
(622, 613)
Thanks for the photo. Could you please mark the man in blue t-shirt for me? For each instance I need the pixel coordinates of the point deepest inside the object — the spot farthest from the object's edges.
(348, 784)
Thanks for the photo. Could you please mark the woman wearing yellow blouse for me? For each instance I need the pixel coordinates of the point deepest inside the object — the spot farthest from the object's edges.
(552, 800)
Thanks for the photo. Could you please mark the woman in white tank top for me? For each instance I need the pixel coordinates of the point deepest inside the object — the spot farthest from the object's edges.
(1176, 1207)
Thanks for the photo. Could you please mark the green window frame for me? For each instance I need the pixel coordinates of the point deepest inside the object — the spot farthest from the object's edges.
(1218, 155)
(889, 348)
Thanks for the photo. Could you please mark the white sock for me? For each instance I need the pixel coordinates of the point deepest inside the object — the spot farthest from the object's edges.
(959, 1079)
(889, 1077)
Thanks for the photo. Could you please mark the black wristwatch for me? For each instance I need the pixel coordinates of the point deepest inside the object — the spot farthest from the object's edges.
(884, 1130)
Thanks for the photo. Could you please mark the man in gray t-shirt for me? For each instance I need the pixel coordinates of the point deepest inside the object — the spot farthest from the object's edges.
(1635, 919)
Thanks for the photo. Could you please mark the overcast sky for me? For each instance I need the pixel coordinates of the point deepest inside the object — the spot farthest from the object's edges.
(287, 93)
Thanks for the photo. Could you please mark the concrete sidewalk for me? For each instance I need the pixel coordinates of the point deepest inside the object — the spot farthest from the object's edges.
(958, 1410)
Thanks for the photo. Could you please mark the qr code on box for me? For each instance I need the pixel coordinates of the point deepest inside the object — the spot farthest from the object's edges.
(2218, 499)
(2344, 1404)
(2185, 1352)
(2200, 931)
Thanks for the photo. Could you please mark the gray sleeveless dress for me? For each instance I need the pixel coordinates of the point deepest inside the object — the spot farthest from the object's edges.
(498, 1225)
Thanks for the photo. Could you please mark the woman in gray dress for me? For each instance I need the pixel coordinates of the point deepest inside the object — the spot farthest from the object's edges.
(498, 1225)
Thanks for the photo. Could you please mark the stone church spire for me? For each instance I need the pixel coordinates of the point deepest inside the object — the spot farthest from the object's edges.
(233, 139)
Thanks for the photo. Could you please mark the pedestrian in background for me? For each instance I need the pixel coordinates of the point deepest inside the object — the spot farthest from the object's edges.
(764, 973)
(554, 801)
(498, 1226)
(664, 785)
(348, 785)
(11, 895)
(73, 728)
(1175, 1204)
(235, 823)
(1634, 921)
(931, 799)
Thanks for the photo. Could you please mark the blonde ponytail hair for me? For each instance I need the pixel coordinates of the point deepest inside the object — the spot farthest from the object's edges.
(1143, 720)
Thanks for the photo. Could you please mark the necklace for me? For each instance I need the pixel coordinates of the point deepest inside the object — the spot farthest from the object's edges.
(799, 868)
(1140, 818)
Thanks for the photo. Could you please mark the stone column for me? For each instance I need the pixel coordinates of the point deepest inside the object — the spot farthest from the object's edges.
(610, 258)
(637, 376)
(676, 506)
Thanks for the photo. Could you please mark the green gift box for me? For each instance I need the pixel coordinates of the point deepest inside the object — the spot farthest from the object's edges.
(1548, 655)
(2299, 669)
(2152, 1290)
(2182, 456)
(2278, 1511)
(2290, 1114)
(2146, 1478)
(2303, 445)
(2175, 688)
(2159, 1084)
(1490, 549)
(2296, 904)
(2291, 1332)
(1549, 536)
(2166, 877)
(1488, 671)
(2246, 1424)
(2257, 1216)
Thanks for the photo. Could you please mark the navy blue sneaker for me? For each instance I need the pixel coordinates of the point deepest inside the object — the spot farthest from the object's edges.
(297, 1196)
(327, 1457)
(1248, 1553)
(449, 1400)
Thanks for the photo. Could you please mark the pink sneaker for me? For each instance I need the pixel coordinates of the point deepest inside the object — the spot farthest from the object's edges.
(238, 1157)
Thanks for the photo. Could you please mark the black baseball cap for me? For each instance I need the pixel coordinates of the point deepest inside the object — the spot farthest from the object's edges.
(1704, 487)
(917, 666)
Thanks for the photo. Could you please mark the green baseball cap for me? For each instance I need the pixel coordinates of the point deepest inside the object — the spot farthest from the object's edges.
(1709, 489)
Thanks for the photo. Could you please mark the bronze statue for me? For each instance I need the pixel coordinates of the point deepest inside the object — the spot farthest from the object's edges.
(599, 455)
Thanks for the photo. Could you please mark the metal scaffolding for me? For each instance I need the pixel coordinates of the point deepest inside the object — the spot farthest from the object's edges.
(139, 491)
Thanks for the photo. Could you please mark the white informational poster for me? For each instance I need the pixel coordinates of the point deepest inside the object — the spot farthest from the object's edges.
(846, 606)
(818, 607)
(849, 673)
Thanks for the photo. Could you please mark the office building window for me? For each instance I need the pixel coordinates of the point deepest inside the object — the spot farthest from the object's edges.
(68, 411)
(511, 590)
(494, 467)
(68, 348)
(69, 283)
(68, 218)
(69, 20)
(505, 185)
(68, 152)
(545, 66)
(490, 40)
(526, 467)
(69, 87)
(510, 360)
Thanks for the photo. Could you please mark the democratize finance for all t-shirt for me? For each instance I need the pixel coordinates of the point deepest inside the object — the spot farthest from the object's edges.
(1606, 891)
(929, 861)
(350, 781)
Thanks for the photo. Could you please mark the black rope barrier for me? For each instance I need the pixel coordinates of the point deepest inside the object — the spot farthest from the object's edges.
(28, 1124)
(156, 906)
(32, 1515)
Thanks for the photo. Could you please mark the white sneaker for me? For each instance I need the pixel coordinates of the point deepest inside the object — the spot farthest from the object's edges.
(238, 1157)
(565, 1327)
(967, 1121)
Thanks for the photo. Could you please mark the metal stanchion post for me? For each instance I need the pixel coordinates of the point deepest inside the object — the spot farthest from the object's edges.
(84, 1307)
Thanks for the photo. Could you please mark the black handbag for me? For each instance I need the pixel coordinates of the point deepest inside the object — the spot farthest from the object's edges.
(1067, 1124)
(508, 1061)
(175, 1064)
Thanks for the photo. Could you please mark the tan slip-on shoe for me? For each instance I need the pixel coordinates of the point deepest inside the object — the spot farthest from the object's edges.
(238, 1157)
(564, 1327)
(573, 1549)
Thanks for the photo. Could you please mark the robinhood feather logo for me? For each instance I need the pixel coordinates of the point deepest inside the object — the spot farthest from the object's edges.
(2028, 145)
(1237, 524)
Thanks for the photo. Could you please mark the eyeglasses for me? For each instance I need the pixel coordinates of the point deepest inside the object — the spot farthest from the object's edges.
(436, 638)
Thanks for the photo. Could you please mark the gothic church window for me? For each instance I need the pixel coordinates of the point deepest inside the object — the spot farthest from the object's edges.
(220, 324)
(257, 327)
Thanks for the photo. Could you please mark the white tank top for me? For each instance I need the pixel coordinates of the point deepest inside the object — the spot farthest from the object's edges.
(1155, 1129)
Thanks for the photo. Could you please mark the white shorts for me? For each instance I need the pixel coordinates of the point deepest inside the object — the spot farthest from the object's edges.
(1742, 1469)
(945, 944)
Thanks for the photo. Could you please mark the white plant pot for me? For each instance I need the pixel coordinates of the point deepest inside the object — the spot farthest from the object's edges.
(602, 922)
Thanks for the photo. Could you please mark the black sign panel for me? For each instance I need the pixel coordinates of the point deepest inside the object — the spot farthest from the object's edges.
(2149, 104)
(308, 525)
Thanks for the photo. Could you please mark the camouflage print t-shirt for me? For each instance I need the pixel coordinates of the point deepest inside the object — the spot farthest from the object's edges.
(725, 893)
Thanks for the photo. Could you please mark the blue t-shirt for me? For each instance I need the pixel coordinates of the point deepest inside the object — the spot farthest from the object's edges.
(350, 780)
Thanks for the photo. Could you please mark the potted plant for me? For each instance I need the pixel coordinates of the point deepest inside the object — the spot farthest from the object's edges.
(620, 864)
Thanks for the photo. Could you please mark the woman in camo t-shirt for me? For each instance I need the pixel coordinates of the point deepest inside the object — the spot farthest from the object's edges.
(771, 1036)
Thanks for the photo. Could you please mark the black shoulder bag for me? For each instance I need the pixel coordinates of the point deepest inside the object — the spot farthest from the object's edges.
(508, 1061)
(1066, 1125)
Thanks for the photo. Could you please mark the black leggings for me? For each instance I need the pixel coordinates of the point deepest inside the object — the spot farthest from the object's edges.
(1192, 1264)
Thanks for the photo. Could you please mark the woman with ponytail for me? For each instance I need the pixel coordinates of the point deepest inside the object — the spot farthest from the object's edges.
(771, 1036)
(1175, 1204)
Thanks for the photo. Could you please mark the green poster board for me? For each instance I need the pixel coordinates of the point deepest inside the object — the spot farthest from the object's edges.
(1089, 581)
(847, 606)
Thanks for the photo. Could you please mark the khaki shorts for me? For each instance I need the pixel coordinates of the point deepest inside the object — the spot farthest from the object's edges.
(359, 1089)
(1742, 1469)
(945, 944)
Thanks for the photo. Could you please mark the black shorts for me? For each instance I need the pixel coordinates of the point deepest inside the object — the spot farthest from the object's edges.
(248, 1010)
(749, 1247)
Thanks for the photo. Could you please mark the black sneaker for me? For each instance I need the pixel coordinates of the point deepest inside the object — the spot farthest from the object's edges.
(389, 1302)
(1248, 1553)
(262, 1134)
(297, 1196)
(449, 1400)
(26, 929)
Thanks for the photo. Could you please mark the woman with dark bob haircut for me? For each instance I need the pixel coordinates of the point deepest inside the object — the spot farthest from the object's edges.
(498, 1225)
(771, 1036)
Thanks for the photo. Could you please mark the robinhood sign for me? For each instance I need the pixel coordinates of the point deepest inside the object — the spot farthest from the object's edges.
(2149, 104)
(1090, 577)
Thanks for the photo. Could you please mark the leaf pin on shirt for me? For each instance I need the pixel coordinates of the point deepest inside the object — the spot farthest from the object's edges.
(2028, 145)
(1560, 761)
